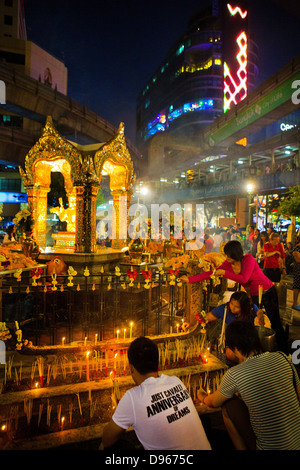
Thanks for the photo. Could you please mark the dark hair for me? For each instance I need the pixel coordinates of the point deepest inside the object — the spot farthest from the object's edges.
(143, 355)
(10, 230)
(247, 311)
(243, 336)
(234, 250)
(265, 234)
(274, 235)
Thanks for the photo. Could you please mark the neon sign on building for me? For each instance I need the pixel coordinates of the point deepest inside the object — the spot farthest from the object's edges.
(235, 70)
(162, 120)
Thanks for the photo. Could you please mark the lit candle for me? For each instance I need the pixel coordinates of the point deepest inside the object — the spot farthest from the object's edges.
(124, 333)
(96, 337)
(118, 331)
(62, 423)
(63, 341)
(177, 326)
(85, 341)
(115, 357)
(130, 333)
(87, 366)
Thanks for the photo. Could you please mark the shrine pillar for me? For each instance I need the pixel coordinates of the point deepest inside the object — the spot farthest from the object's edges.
(121, 202)
(85, 233)
(37, 204)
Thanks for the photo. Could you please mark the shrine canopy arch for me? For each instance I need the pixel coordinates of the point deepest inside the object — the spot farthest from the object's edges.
(113, 159)
(82, 168)
(51, 152)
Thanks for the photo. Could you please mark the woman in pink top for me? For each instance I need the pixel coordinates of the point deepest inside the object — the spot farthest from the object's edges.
(245, 270)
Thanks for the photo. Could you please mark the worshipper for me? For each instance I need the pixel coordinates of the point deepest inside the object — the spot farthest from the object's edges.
(208, 243)
(296, 275)
(274, 262)
(159, 408)
(239, 307)
(218, 239)
(289, 258)
(10, 236)
(260, 256)
(244, 270)
(255, 241)
(251, 234)
(259, 396)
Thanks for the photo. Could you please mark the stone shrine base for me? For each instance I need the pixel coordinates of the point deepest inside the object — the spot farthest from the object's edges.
(106, 257)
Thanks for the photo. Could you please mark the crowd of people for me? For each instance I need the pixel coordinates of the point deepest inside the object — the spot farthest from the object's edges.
(275, 256)
(259, 397)
(259, 394)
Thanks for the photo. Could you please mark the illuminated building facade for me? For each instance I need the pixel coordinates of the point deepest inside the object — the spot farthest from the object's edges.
(235, 53)
(207, 69)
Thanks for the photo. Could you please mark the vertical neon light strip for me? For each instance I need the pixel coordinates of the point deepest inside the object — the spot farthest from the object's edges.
(235, 10)
(236, 90)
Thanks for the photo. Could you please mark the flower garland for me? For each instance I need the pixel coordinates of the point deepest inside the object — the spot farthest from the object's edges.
(147, 276)
(173, 276)
(71, 274)
(23, 219)
(13, 342)
(132, 274)
(202, 319)
(36, 274)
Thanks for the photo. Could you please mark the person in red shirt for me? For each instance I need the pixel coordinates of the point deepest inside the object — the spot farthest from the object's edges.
(274, 262)
(209, 244)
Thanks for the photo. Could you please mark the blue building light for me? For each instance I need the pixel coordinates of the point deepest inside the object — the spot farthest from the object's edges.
(13, 197)
(160, 123)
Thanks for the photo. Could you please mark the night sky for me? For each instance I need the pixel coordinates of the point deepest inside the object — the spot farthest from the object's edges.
(112, 48)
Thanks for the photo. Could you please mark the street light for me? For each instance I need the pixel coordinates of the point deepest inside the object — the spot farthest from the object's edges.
(250, 190)
(144, 190)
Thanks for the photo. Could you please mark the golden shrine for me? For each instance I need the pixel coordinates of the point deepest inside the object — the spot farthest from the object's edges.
(82, 167)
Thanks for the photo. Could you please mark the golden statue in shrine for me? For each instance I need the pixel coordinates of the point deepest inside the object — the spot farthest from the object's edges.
(65, 215)
(82, 168)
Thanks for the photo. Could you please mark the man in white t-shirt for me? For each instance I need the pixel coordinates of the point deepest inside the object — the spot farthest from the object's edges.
(159, 408)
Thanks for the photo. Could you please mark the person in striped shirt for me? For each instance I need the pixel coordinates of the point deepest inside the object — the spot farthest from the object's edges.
(260, 397)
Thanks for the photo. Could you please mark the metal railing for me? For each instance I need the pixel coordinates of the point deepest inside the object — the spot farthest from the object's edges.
(50, 307)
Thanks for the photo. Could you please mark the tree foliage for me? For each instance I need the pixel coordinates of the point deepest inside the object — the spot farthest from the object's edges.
(290, 206)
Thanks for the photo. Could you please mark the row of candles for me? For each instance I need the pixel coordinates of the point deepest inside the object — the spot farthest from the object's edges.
(118, 334)
(63, 340)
